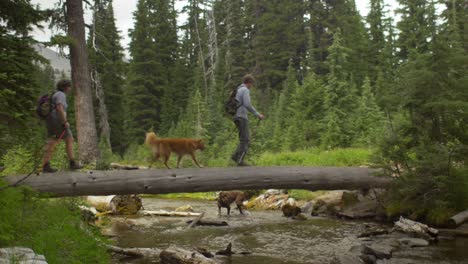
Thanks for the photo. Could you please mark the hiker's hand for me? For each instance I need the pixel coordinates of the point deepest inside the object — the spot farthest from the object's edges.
(66, 124)
(261, 117)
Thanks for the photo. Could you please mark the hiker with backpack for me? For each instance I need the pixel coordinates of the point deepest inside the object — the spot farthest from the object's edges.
(54, 110)
(238, 105)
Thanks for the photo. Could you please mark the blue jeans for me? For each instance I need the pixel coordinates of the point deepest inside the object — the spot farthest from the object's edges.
(242, 126)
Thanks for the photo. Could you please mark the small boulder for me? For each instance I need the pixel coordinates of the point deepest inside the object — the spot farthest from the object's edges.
(379, 251)
(413, 242)
(290, 210)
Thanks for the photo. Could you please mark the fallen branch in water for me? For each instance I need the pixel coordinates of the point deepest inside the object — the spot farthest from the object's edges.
(169, 213)
(196, 220)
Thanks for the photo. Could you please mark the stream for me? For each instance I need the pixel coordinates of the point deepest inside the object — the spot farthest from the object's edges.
(268, 236)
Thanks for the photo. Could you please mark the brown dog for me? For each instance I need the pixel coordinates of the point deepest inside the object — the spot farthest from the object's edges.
(180, 146)
(226, 198)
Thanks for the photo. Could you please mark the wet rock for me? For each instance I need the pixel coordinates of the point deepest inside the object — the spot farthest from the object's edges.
(20, 255)
(374, 232)
(379, 251)
(347, 259)
(413, 242)
(126, 204)
(365, 209)
(290, 210)
(299, 217)
(307, 207)
(368, 259)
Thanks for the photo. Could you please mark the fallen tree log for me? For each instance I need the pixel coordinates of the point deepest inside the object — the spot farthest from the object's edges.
(174, 255)
(160, 181)
(169, 213)
(135, 252)
(459, 218)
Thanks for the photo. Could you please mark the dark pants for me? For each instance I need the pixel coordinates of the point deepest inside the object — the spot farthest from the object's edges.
(244, 138)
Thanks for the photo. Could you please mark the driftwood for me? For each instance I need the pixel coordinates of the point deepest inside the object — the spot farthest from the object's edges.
(209, 223)
(160, 181)
(196, 220)
(459, 219)
(174, 255)
(415, 228)
(169, 213)
(227, 251)
(135, 252)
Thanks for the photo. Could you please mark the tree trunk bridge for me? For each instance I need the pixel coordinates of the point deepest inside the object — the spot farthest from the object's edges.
(161, 181)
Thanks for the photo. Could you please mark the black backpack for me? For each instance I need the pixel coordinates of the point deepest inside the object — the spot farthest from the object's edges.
(44, 106)
(232, 104)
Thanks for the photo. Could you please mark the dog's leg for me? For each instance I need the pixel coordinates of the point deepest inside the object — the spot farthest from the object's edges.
(178, 160)
(240, 209)
(229, 209)
(166, 159)
(195, 160)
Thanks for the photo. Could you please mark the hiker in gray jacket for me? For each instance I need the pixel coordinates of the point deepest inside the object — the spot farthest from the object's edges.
(241, 120)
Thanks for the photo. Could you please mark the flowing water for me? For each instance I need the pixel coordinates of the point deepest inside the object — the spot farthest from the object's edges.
(268, 236)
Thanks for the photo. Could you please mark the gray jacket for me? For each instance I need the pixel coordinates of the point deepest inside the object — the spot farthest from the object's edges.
(243, 96)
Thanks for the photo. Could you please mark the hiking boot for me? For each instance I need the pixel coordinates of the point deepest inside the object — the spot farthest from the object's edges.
(74, 165)
(47, 169)
(243, 164)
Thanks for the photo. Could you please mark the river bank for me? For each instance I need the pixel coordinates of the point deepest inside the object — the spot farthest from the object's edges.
(268, 236)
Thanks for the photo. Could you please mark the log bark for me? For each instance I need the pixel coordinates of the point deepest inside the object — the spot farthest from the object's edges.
(459, 218)
(160, 181)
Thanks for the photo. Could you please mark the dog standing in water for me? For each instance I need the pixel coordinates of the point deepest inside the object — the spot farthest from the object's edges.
(226, 198)
(180, 146)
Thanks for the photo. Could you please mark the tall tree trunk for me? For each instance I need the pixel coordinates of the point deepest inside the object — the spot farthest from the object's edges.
(104, 127)
(85, 122)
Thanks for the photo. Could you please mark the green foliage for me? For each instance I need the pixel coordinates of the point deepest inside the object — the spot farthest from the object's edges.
(52, 227)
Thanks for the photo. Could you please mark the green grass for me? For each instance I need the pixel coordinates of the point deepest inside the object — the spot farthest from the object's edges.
(317, 157)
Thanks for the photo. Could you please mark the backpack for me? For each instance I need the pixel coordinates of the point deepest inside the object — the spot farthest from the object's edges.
(232, 104)
(44, 106)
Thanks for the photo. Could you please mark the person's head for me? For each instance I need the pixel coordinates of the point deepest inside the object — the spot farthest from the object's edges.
(248, 80)
(64, 85)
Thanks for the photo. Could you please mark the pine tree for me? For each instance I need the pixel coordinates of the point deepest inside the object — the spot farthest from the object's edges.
(153, 49)
(377, 44)
(339, 97)
(306, 110)
(417, 27)
(18, 85)
(277, 36)
(368, 120)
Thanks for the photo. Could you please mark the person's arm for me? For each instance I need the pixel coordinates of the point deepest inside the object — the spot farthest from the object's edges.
(247, 104)
(62, 116)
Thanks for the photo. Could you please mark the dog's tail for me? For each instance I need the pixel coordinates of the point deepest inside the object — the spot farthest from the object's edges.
(150, 138)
